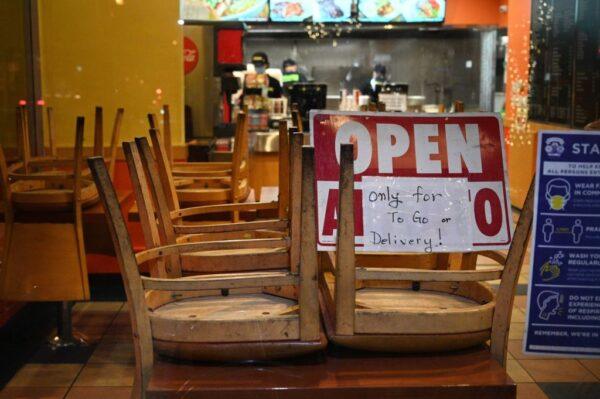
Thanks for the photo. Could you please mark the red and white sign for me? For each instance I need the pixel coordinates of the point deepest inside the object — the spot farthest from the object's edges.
(190, 55)
(423, 183)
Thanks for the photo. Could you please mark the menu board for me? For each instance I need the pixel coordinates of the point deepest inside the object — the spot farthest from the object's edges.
(538, 107)
(224, 10)
(317, 10)
(565, 62)
(586, 105)
(408, 11)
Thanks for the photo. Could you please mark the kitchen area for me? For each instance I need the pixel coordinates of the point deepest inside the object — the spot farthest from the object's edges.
(354, 59)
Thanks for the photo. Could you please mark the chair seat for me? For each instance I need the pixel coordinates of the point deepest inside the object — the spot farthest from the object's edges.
(203, 195)
(400, 299)
(182, 182)
(235, 327)
(228, 318)
(54, 199)
(239, 351)
(437, 317)
(223, 261)
(216, 170)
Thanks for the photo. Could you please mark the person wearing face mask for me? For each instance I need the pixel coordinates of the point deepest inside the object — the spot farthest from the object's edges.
(379, 78)
(291, 74)
(272, 86)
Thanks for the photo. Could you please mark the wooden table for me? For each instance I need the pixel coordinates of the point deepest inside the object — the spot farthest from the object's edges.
(95, 230)
(96, 235)
(340, 373)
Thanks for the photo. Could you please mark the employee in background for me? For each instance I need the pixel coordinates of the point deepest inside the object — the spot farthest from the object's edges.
(261, 63)
(379, 78)
(291, 74)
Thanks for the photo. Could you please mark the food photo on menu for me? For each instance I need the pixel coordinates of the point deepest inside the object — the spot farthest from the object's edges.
(318, 10)
(225, 10)
(290, 11)
(408, 11)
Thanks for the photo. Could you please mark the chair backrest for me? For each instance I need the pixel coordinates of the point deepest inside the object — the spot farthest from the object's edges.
(98, 132)
(99, 137)
(157, 218)
(23, 136)
(164, 169)
(240, 185)
(166, 134)
(5, 188)
(240, 163)
(347, 274)
(284, 171)
(140, 320)
(145, 204)
(155, 207)
(114, 141)
(297, 118)
(51, 132)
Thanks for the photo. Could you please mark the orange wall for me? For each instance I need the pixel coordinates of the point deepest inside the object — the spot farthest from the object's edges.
(521, 135)
(519, 25)
(474, 12)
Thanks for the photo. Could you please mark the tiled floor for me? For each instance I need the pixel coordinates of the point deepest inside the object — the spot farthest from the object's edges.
(107, 371)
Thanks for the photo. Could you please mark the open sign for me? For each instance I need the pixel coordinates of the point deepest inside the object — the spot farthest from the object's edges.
(422, 183)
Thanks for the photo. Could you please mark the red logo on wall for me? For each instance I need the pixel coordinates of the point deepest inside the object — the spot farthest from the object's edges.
(190, 55)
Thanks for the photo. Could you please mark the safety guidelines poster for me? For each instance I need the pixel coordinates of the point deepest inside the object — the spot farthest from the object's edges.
(563, 312)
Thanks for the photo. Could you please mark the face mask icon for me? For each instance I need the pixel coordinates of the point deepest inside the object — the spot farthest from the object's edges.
(558, 193)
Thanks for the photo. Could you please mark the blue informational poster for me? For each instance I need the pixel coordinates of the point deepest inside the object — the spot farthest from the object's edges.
(563, 307)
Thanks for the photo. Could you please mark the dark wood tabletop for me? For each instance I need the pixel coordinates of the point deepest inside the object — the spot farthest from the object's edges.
(97, 236)
(339, 373)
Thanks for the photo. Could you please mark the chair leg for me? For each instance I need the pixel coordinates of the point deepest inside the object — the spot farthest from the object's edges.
(345, 290)
(308, 295)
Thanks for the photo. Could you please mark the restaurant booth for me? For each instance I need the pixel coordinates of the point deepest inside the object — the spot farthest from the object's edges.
(252, 198)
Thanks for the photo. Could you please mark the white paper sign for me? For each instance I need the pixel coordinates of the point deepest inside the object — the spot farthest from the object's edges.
(416, 214)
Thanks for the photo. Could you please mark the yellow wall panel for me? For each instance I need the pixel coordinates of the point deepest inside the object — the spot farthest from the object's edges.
(113, 53)
(13, 67)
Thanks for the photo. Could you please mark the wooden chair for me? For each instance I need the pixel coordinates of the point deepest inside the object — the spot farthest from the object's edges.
(163, 223)
(40, 183)
(181, 169)
(44, 257)
(177, 195)
(210, 182)
(410, 310)
(222, 316)
(297, 118)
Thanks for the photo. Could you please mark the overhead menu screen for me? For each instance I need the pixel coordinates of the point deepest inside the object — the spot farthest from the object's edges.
(224, 10)
(316, 10)
(407, 11)
(565, 74)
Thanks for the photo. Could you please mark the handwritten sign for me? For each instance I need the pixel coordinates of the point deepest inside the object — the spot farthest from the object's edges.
(412, 215)
(563, 312)
(423, 183)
